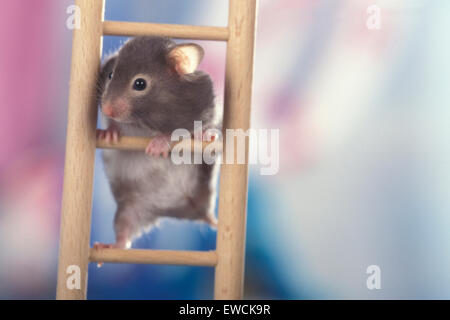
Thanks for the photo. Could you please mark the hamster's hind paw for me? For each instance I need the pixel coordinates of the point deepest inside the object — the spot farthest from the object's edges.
(158, 146)
(100, 246)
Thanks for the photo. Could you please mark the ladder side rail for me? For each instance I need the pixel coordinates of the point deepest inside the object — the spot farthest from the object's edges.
(80, 150)
(229, 272)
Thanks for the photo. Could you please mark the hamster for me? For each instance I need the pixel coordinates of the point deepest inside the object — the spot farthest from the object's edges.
(149, 88)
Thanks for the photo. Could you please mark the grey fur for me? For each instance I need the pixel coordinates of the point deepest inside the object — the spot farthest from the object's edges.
(147, 188)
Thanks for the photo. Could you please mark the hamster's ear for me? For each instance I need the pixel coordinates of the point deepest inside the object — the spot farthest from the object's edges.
(107, 67)
(185, 58)
(105, 70)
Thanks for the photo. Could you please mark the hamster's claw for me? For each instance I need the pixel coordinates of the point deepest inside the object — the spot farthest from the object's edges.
(158, 146)
(110, 135)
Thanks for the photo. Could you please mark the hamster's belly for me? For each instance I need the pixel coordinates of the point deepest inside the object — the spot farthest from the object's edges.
(153, 183)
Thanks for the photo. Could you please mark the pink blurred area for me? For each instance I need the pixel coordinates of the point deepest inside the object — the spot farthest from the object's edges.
(25, 58)
(33, 93)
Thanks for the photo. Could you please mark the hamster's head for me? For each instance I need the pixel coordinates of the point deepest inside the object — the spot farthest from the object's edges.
(154, 82)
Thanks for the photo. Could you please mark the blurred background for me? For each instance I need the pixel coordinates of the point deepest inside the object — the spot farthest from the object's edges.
(364, 173)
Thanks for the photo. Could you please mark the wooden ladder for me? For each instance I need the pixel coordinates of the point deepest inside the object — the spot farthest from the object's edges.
(228, 258)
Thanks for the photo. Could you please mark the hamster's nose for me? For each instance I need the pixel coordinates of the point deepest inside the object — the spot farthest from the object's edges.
(108, 110)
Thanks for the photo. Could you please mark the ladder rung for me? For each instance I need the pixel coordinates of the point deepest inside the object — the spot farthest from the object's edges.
(140, 143)
(174, 257)
(121, 28)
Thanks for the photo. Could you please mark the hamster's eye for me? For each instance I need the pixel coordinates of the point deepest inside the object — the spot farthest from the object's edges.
(139, 84)
(110, 75)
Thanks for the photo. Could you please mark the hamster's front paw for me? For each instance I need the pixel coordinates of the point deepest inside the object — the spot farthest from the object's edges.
(159, 145)
(111, 134)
